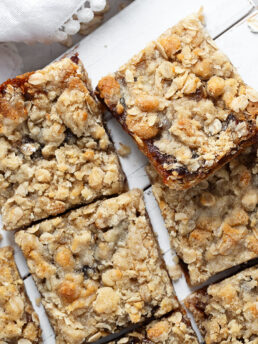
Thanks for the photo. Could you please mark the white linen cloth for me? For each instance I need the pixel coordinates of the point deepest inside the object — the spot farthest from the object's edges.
(42, 21)
(10, 61)
(34, 20)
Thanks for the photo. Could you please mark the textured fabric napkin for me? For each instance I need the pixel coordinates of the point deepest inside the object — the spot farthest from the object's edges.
(34, 20)
(10, 61)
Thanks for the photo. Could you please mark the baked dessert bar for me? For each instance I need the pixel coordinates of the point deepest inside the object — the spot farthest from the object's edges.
(98, 268)
(213, 226)
(54, 151)
(183, 103)
(174, 329)
(226, 312)
(18, 321)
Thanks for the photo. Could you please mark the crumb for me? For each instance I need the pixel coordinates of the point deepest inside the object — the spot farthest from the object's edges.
(252, 23)
(176, 259)
(201, 15)
(124, 150)
(175, 272)
(38, 301)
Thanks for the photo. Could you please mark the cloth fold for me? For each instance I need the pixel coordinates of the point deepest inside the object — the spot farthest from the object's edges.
(30, 20)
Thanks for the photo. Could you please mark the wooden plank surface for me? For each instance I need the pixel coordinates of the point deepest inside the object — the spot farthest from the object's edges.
(114, 43)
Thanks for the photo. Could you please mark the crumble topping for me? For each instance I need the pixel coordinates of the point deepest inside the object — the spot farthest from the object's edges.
(184, 104)
(18, 321)
(214, 225)
(174, 329)
(54, 151)
(226, 312)
(98, 268)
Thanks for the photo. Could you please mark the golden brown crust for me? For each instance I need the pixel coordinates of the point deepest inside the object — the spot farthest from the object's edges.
(213, 226)
(98, 268)
(226, 312)
(184, 104)
(19, 82)
(110, 90)
(54, 150)
(252, 108)
(18, 321)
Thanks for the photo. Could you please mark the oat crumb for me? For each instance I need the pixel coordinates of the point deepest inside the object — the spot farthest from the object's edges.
(38, 301)
(252, 23)
(176, 259)
(175, 272)
(124, 150)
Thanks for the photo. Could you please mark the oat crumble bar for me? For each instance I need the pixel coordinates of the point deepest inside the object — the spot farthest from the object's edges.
(54, 151)
(98, 268)
(183, 103)
(214, 225)
(227, 312)
(18, 321)
(174, 329)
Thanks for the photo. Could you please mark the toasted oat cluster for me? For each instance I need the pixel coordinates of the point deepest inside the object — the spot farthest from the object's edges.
(54, 151)
(98, 268)
(226, 312)
(213, 226)
(183, 103)
(174, 329)
(18, 321)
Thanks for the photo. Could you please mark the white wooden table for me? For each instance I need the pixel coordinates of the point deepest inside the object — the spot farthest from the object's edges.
(114, 43)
